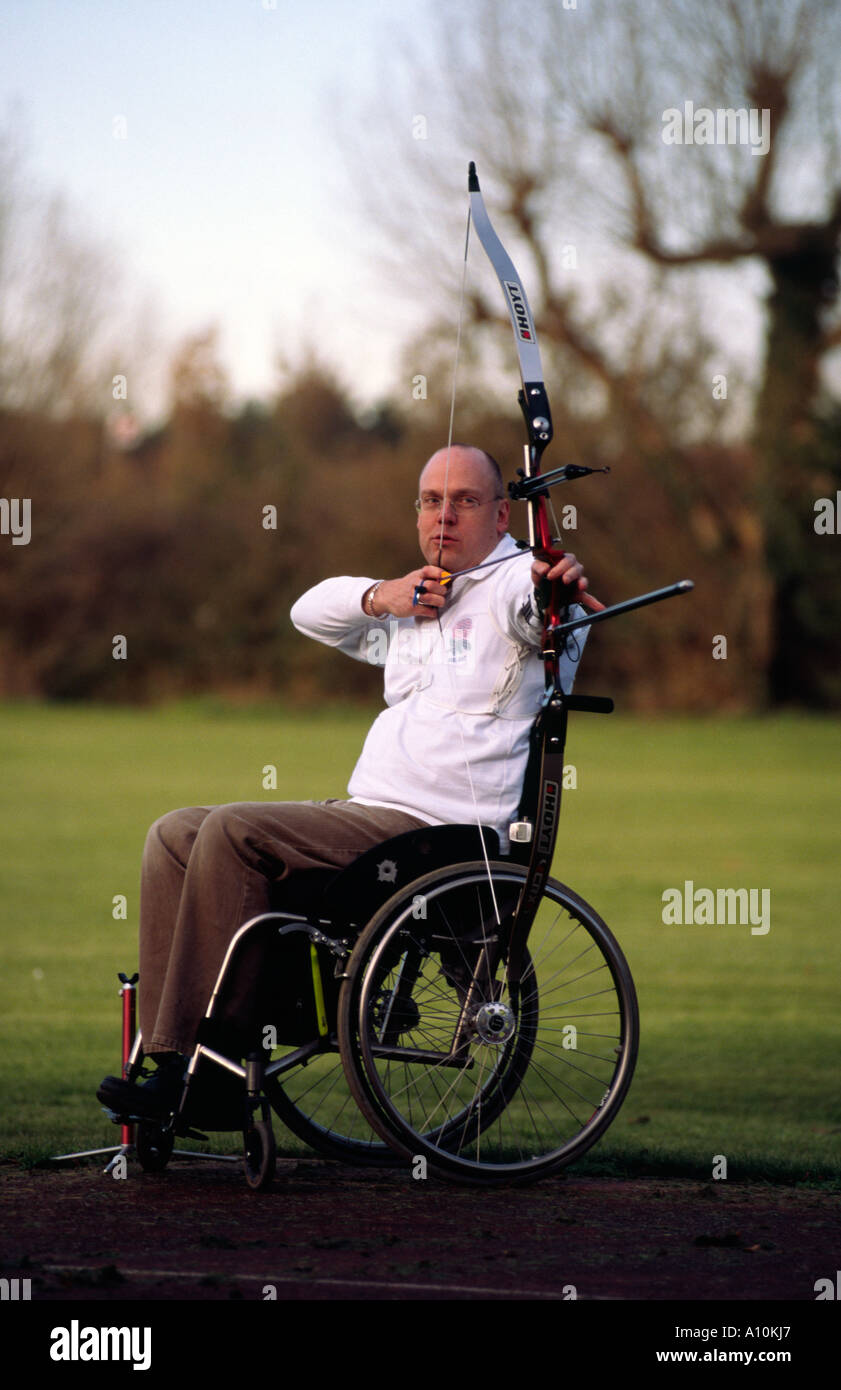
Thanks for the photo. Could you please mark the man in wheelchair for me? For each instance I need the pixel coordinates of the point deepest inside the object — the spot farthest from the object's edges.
(462, 689)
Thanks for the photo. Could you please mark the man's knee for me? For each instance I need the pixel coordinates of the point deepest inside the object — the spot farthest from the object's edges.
(174, 834)
(239, 828)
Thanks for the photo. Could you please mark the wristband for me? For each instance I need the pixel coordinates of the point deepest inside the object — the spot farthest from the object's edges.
(368, 603)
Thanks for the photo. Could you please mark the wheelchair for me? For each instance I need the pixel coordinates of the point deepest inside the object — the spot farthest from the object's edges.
(437, 998)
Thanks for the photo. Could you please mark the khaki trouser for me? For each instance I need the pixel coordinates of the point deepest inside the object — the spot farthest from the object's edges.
(208, 869)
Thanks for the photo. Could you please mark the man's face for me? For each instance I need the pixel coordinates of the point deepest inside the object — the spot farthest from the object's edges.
(464, 536)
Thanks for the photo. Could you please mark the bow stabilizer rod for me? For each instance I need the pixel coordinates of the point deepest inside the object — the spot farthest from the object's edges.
(683, 586)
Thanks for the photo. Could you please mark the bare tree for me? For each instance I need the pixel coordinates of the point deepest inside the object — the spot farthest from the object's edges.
(678, 148)
(782, 211)
(66, 327)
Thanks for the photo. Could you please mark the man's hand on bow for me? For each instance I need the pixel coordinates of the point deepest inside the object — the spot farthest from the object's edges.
(571, 572)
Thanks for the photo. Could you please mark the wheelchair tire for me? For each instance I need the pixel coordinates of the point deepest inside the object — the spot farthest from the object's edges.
(260, 1155)
(446, 1061)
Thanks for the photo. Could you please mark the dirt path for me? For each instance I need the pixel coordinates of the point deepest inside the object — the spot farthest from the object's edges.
(329, 1232)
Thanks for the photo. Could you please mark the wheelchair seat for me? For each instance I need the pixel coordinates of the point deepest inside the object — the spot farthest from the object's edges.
(349, 897)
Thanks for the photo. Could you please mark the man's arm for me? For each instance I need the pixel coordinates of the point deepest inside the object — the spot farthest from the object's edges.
(337, 610)
(331, 612)
(395, 597)
(342, 612)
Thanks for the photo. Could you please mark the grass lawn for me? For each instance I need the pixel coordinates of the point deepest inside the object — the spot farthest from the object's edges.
(741, 1039)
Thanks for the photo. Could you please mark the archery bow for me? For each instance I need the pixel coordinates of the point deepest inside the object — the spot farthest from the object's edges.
(544, 778)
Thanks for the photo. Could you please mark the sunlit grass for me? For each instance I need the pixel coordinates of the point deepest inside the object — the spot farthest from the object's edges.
(740, 1032)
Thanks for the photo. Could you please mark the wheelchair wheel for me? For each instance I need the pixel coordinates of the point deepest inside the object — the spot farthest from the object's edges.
(260, 1155)
(314, 1102)
(489, 1083)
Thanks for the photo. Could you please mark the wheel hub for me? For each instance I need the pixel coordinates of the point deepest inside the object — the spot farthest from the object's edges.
(495, 1023)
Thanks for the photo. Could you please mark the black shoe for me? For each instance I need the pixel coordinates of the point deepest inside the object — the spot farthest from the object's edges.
(155, 1099)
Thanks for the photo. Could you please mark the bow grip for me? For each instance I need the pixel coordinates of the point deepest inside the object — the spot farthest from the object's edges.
(549, 592)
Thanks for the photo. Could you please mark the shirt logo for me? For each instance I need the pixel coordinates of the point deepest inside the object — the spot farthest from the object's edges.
(421, 646)
(461, 645)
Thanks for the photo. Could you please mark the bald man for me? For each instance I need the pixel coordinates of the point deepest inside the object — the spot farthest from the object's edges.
(462, 690)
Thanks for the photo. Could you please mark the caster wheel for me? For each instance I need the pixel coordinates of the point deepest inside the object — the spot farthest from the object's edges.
(154, 1147)
(260, 1156)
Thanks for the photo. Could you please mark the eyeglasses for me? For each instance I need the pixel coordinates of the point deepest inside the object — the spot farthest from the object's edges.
(431, 502)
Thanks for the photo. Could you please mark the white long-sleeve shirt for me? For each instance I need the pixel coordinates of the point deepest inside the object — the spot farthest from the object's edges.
(452, 744)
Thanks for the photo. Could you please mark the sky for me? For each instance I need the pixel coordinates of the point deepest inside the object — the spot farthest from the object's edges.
(202, 140)
(213, 145)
